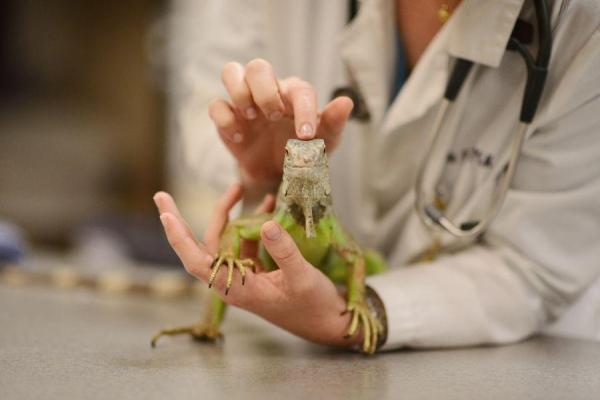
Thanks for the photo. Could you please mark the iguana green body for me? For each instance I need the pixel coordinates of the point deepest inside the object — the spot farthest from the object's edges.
(304, 209)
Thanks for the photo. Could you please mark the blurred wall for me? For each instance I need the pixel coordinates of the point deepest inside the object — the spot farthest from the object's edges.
(81, 112)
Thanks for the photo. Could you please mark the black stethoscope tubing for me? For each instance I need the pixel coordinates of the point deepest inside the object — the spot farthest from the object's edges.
(537, 68)
(537, 71)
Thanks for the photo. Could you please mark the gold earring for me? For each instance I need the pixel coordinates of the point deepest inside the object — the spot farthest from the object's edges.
(443, 13)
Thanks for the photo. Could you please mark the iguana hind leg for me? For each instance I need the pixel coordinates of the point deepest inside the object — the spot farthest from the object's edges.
(354, 259)
(206, 330)
(362, 317)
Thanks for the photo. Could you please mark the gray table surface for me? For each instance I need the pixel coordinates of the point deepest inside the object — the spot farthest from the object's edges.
(79, 344)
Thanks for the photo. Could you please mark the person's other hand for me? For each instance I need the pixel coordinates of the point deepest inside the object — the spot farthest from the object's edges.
(297, 297)
(264, 112)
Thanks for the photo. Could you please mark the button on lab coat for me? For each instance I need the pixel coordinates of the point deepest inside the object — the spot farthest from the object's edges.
(538, 265)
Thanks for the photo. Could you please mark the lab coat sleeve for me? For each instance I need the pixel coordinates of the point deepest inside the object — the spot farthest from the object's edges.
(540, 253)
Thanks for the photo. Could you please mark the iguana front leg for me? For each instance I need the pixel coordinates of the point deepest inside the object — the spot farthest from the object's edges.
(230, 247)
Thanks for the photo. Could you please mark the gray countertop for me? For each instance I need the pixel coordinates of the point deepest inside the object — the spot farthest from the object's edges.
(79, 344)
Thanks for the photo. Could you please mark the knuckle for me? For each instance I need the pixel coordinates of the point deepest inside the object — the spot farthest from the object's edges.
(226, 120)
(221, 116)
(229, 69)
(257, 64)
(286, 253)
(222, 209)
(292, 81)
(241, 95)
(305, 288)
(222, 203)
(194, 269)
(307, 92)
(212, 104)
(268, 102)
(176, 243)
(213, 107)
(225, 202)
(304, 101)
(221, 216)
(298, 84)
(212, 243)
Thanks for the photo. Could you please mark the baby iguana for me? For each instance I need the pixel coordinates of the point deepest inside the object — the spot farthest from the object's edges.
(304, 209)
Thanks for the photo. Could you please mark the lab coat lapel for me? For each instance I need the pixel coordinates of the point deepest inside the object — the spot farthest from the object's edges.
(480, 30)
(367, 48)
(422, 90)
(467, 35)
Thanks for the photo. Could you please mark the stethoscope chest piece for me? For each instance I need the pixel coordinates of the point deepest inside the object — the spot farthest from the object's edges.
(360, 112)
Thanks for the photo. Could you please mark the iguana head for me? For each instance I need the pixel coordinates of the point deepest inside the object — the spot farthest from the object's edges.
(305, 188)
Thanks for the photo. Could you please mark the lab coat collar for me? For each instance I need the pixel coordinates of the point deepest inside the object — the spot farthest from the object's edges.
(478, 31)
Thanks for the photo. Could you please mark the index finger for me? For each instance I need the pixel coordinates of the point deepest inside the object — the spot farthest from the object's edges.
(220, 216)
(192, 254)
(334, 117)
(165, 204)
(303, 99)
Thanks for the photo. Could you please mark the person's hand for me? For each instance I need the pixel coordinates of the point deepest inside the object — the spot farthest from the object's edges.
(264, 112)
(297, 297)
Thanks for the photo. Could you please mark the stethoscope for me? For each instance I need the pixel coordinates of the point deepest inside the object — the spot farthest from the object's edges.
(432, 214)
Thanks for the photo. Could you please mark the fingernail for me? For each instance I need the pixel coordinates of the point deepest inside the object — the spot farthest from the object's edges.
(163, 220)
(237, 137)
(251, 113)
(272, 231)
(306, 130)
(275, 116)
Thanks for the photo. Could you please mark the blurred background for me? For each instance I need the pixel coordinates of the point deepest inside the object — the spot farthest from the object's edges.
(104, 103)
(83, 133)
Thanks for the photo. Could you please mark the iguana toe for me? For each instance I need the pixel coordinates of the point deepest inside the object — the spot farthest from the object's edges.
(232, 263)
(370, 327)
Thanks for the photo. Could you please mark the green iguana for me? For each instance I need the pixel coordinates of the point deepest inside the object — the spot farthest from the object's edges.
(304, 209)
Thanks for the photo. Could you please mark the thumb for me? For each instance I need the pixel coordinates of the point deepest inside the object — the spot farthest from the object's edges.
(282, 248)
(333, 118)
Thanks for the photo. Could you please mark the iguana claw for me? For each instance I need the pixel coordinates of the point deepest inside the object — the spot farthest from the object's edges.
(370, 326)
(197, 332)
(232, 263)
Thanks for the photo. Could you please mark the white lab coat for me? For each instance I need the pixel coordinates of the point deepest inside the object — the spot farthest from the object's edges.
(540, 258)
